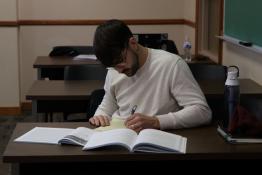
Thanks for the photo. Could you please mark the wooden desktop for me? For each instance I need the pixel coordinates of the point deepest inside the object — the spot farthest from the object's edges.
(48, 66)
(72, 96)
(202, 143)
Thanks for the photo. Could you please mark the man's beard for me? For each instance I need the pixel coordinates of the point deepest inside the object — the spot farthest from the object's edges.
(135, 66)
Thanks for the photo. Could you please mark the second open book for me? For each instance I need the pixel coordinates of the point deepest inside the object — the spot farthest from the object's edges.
(148, 140)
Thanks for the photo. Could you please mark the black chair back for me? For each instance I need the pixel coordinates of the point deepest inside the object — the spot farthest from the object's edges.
(71, 50)
(208, 71)
(85, 72)
(211, 72)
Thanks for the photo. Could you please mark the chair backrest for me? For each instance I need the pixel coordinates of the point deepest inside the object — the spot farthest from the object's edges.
(85, 72)
(208, 71)
(95, 100)
(211, 72)
(157, 41)
(169, 46)
(71, 50)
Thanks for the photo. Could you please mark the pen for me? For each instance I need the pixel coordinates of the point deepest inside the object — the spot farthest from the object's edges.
(133, 109)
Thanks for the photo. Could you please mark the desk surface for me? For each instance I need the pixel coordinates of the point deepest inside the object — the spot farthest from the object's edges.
(60, 62)
(216, 87)
(63, 90)
(203, 143)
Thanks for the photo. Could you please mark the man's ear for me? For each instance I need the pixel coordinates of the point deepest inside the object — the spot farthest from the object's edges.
(133, 43)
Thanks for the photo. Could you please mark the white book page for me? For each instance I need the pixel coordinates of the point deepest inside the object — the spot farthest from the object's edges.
(79, 136)
(44, 135)
(85, 57)
(165, 141)
(123, 137)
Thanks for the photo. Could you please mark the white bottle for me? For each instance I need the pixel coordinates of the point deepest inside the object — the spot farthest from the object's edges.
(187, 49)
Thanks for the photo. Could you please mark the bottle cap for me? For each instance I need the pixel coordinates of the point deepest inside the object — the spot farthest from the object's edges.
(232, 76)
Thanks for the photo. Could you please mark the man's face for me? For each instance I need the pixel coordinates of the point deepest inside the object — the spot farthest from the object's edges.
(129, 64)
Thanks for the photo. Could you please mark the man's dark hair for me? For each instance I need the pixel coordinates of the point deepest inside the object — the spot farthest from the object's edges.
(110, 39)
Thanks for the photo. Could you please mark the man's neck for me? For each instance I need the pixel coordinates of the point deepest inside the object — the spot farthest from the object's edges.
(142, 54)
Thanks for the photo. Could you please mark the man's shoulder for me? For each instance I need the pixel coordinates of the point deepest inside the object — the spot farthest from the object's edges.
(164, 57)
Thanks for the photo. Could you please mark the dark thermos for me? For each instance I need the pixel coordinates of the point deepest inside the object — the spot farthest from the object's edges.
(232, 94)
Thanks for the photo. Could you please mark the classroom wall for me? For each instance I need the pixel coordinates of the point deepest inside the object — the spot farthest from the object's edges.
(249, 62)
(8, 10)
(100, 9)
(9, 63)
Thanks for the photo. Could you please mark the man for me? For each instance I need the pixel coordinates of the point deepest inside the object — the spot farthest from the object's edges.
(157, 83)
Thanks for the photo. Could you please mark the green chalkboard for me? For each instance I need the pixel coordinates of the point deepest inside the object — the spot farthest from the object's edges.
(243, 20)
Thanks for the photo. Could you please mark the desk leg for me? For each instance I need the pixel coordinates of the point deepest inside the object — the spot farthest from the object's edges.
(34, 109)
(39, 73)
(35, 113)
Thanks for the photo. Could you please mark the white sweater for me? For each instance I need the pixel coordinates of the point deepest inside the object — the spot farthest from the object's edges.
(163, 87)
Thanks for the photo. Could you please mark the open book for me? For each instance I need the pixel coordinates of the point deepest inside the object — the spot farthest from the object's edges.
(148, 140)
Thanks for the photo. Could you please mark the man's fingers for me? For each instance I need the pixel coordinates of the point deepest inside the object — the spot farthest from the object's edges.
(100, 120)
(97, 122)
(129, 119)
(104, 121)
(92, 120)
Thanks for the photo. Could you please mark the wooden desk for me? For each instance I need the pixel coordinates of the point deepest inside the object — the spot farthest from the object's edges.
(215, 88)
(61, 96)
(47, 66)
(200, 59)
(72, 96)
(54, 66)
(202, 143)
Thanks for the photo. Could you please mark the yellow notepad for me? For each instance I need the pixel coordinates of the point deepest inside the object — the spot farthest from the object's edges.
(115, 123)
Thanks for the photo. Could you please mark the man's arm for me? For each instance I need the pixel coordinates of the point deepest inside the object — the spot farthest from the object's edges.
(195, 110)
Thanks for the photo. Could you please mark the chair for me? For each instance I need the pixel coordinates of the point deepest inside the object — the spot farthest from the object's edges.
(87, 72)
(211, 72)
(157, 41)
(169, 46)
(64, 51)
(70, 50)
(208, 71)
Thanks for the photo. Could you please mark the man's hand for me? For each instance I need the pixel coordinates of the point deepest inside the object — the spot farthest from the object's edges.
(100, 120)
(138, 121)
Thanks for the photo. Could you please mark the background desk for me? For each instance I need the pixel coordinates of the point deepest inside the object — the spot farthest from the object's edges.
(61, 96)
(202, 143)
(72, 96)
(54, 66)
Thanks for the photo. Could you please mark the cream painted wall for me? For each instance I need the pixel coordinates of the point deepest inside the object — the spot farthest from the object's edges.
(9, 63)
(100, 9)
(8, 10)
(9, 88)
(249, 62)
(190, 9)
